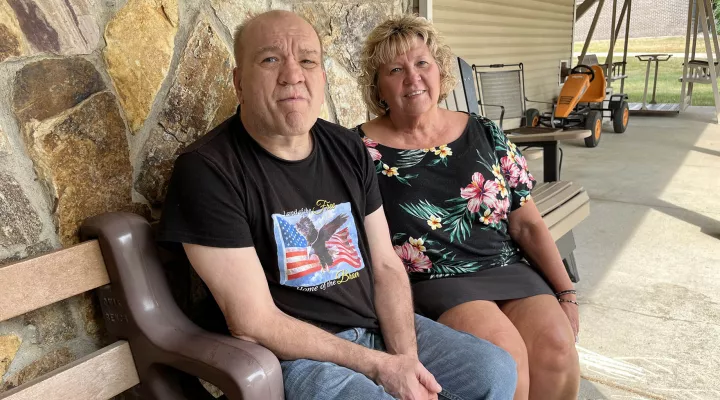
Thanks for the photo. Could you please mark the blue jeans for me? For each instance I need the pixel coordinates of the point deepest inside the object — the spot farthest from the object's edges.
(466, 367)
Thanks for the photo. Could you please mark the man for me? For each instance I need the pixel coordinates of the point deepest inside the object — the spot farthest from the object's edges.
(279, 214)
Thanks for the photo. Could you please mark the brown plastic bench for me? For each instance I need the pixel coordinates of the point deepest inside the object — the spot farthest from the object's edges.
(156, 345)
(562, 204)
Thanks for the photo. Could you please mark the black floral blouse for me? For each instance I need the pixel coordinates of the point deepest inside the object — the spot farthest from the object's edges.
(447, 206)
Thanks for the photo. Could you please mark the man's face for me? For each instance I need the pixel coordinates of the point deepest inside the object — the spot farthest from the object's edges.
(280, 83)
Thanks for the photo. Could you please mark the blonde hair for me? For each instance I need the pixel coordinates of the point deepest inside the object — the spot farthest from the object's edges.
(392, 38)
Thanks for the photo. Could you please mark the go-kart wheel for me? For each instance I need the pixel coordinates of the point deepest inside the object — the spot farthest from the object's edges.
(593, 122)
(578, 69)
(621, 117)
(532, 117)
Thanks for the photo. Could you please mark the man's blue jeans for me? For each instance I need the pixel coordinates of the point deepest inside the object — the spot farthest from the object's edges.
(466, 367)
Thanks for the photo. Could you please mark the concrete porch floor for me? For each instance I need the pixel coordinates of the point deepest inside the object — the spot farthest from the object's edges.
(649, 258)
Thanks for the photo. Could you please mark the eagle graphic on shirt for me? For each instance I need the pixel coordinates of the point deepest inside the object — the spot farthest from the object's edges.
(318, 240)
(315, 248)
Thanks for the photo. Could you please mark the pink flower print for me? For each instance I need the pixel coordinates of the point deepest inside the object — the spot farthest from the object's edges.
(479, 191)
(525, 176)
(413, 259)
(501, 209)
(522, 162)
(510, 171)
(374, 154)
(370, 146)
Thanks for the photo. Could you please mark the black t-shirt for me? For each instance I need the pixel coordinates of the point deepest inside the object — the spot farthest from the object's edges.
(304, 218)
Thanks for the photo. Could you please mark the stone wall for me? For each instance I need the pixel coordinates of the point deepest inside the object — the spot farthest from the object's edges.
(98, 96)
(649, 18)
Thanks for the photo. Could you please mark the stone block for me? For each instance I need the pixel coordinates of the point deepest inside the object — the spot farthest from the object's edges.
(201, 96)
(4, 143)
(140, 43)
(345, 95)
(9, 345)
(62, 27)
(83, 157)
(28, 251)
(54, 323)
(19, 223)
(12, 41)
(35, 97)
(51, 361)
(91, 315)
(233, 13)
(343, 26)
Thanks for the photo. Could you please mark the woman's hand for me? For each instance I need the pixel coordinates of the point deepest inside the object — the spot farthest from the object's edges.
(572, 312)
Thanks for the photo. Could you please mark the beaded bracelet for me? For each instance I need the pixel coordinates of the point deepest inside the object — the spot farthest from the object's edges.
(568, 301)
(564, 292)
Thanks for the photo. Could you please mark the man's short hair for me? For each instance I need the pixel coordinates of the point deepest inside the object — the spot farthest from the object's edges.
(237, 38)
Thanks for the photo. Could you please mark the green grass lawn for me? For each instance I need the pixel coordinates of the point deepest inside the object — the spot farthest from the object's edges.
(668, 86)
(639, 45)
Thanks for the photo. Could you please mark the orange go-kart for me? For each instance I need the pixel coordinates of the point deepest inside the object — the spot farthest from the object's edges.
(581, 104)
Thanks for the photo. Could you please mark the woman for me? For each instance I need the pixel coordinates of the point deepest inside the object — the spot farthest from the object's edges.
(457, 198)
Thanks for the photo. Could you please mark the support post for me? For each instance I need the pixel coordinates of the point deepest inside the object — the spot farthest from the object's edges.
(627, 40)
(598, 11)
(683, 92)
(704, 13)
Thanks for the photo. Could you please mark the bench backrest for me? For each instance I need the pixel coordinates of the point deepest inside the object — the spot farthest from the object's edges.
(40, 281)
(463, 97)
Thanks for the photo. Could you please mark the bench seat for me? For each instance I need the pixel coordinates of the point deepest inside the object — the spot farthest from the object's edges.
(563, 205)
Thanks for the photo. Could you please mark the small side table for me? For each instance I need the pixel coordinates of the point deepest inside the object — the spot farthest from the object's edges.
(650, 58)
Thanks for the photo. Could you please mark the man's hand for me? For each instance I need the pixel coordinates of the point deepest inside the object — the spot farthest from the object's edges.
(404, 377)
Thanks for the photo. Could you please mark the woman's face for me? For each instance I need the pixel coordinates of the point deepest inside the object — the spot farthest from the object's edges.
(410, 84)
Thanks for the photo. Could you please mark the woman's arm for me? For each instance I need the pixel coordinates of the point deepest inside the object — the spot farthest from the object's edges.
(529, 231)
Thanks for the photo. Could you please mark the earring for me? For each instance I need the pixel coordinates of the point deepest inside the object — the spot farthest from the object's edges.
(384, 105)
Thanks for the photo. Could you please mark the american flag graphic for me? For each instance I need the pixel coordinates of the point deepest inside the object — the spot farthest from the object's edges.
(343, 250)
(298, 261)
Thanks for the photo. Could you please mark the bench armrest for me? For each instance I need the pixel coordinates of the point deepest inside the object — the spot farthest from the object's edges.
(138, 306)
(241, 369)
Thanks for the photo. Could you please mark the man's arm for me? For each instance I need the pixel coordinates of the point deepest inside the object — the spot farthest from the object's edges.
(237, 282)
(236, 279)
(393, 300)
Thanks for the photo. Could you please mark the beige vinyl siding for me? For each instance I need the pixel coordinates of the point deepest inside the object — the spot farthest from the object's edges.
(537, 33)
